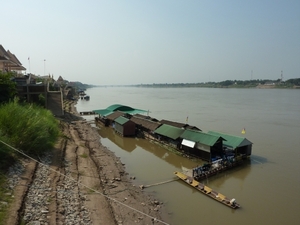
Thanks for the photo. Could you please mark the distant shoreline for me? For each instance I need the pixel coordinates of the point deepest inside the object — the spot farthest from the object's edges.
(263, 84)
(187, 86)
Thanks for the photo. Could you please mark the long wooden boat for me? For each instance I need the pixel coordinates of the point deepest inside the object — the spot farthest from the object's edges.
(208, 191)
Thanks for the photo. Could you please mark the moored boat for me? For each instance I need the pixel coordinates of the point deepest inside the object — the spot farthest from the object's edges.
(208, 191)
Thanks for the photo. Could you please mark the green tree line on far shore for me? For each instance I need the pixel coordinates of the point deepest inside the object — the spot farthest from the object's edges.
(291, 83)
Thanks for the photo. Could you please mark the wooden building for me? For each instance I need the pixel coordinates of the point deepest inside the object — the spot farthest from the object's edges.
(169, 135)
(108, 115)
(124, 126)
(205, 146)
(145, 126)
(109, 119)
(240, 146)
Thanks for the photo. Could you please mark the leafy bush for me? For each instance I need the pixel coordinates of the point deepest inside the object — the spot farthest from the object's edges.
(28, 127)
(7, 87)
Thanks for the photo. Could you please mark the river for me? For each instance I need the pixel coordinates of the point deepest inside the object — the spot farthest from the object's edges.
(268, 187)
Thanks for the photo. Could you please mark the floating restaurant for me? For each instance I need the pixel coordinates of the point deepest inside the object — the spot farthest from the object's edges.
(220, 151)
(190, 140)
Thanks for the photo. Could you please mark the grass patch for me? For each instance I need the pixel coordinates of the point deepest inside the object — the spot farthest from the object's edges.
(34, 131)
(84, 155)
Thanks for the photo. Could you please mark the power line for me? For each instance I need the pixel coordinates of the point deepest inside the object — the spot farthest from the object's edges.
(72, 179)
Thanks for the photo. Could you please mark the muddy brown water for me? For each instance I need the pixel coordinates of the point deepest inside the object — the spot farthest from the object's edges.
(267, 187)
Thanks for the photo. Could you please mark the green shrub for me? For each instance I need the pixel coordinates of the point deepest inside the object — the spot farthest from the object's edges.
(7, 87)
(28, 127)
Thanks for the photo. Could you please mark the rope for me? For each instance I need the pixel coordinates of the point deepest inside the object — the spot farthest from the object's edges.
(159, 183)
(110, 198)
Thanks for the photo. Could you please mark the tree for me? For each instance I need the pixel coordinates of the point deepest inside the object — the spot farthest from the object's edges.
(8, 88)
(226, 83)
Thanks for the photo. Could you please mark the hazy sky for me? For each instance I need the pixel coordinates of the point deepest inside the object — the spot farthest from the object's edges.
(157, 41)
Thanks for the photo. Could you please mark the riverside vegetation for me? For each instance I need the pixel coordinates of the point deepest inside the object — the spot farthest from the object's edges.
(29, 128)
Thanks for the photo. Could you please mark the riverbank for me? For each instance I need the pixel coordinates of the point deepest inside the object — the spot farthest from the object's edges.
(80, 182)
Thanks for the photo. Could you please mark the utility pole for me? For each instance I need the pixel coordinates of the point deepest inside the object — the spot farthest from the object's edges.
(44, 67)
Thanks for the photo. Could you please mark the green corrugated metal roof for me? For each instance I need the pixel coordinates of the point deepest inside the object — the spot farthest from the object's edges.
(114, 107)
(232, 141)
(121, 120)
(169, 131)
(118, 107)
(200, 137)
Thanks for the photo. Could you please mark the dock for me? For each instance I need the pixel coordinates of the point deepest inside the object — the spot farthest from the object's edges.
(208, 170)
(208, 191)
(87, 113)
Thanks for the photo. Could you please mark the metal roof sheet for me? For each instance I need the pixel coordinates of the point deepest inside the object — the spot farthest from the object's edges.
(144, 122)
(169, 131)
(188, 143)
(114, 115)
(200, 137)
(121, 120)
(146, 117)
(172, 123)
(231, 140)
(179, 125)
(118, 107)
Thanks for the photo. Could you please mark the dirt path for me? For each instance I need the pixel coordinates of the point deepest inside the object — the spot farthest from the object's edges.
(84, 183)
